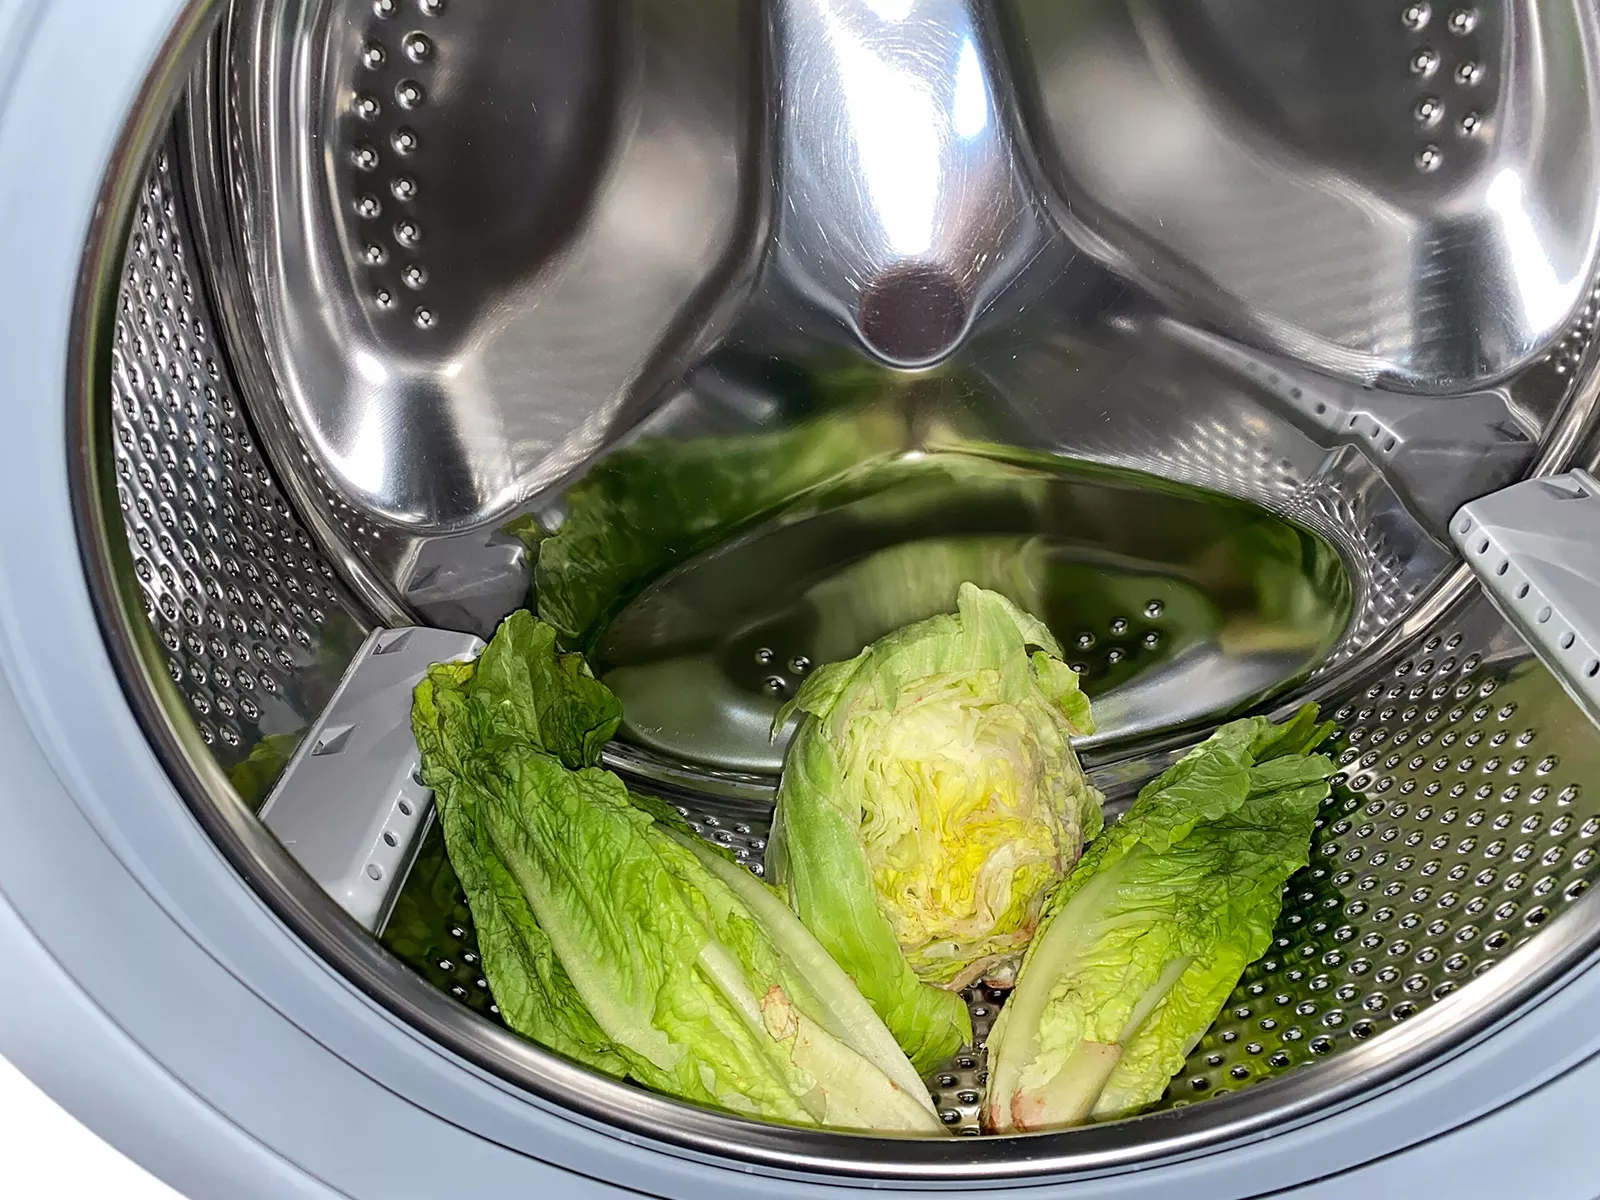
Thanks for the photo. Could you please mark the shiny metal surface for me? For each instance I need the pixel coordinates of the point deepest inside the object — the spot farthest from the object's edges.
(476, 237)
(255, 628)
(1405, 195)
(1462, 822)
(1460, 826)
(1173, 604)
(903, 204)
(833, 179)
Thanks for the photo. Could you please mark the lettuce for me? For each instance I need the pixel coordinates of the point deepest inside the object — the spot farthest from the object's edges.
(1144, 941)
(929, 804)
(649, 507)
(611, 935)
(254, 776)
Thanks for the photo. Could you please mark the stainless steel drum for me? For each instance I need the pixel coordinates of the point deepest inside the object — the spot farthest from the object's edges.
(1195, 323)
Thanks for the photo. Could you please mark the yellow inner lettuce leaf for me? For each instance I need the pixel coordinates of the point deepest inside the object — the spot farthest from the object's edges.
(930, 802)
(965, 823)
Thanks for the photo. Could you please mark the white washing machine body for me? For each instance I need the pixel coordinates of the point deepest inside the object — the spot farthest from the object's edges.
(152, 992)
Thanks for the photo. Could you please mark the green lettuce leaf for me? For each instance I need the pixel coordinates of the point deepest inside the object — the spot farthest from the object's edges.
(530, 693)
(929, 804)
(456, 712)
(815, 853)
(653, 505)
(253, 776)
(610, 935)
(1146, 938)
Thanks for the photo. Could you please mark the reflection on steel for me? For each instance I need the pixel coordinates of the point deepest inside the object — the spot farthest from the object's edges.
(1412, 203)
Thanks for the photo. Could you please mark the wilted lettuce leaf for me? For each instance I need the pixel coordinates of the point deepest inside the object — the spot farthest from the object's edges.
(1148, 935)
(929, 804)
(530, 693)
(460, 712)
(610, 935)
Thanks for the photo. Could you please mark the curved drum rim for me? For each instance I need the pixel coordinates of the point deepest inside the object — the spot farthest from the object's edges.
(1423, 1045)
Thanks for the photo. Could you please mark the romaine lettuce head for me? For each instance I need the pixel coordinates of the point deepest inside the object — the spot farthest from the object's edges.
(613, 936)
(930, 804)
(1144, 941)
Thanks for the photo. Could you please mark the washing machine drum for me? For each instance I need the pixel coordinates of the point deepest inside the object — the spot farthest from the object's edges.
(1248, 348)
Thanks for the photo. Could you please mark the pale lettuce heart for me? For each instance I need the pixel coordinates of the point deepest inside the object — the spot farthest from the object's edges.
(929, 804)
